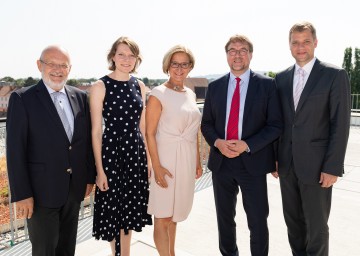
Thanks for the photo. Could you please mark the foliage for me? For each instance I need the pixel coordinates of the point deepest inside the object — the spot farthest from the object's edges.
(352, 66)
(271, 74)
(347, 62)
(355, 74)
(30, 81)
(8, 79)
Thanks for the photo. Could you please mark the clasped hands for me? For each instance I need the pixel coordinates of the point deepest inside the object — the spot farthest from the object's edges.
(231, 148)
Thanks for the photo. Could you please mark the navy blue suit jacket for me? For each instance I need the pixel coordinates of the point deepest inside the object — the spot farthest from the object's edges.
(262, 122)
(39, 152)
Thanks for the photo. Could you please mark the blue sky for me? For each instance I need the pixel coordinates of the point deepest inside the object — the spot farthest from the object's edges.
(87, 28)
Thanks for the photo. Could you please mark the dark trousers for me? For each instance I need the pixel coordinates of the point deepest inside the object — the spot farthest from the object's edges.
(226, 183)
(52, 231)
(306, 210)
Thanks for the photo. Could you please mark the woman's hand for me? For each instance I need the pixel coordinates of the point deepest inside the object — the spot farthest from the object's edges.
(160, 173)
(101, 181)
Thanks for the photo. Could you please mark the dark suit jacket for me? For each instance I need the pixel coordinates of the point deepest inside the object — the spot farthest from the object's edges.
(316, 135)
(39, 152)
(262, 122)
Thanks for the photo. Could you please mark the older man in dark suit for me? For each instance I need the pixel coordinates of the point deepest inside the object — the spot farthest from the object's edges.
(315, 100)
(49, 155)
(241, 120)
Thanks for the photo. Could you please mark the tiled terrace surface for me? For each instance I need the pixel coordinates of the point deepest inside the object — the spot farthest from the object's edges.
(197, 236)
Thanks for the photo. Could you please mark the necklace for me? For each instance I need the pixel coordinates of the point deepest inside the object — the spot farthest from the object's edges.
(175, 87)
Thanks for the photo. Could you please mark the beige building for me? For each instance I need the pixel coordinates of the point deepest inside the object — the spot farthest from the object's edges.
(5, 92)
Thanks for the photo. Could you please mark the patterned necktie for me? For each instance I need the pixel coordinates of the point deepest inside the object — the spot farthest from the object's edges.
(299, 87)
(232, 132)
(62, 114)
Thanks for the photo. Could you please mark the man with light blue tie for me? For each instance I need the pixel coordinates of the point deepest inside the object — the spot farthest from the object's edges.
(49, 155)
(241, 120)
(315, 101)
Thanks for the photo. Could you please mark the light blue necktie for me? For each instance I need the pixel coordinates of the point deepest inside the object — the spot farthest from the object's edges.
(62, 114)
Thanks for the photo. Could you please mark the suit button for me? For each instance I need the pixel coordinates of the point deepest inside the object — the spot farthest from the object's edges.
(69, 170)
(70, 147)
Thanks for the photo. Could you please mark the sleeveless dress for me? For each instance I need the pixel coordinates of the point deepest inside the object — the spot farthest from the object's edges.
(124, 205)
(176, 140)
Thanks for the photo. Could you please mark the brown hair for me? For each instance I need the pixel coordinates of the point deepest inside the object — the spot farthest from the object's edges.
(134, 48)
(239, 38)
(301, 26)
(168, 56)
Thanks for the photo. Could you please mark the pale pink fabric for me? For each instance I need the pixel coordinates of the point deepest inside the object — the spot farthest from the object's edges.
(177, 148)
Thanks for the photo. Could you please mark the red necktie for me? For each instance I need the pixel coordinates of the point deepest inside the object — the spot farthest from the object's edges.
(233, 122)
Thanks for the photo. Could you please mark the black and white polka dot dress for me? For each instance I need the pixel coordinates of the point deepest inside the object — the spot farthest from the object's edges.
(124, 205)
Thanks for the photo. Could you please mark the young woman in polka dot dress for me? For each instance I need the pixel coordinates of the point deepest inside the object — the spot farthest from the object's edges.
(120, 153)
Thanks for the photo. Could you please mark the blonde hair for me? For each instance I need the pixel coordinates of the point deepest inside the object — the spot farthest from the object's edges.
(169, 54)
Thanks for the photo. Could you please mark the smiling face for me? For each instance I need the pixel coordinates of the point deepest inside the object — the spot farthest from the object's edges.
(302, 46)
(180, 67)
(124, 59)
(240, 61)
(54, 65)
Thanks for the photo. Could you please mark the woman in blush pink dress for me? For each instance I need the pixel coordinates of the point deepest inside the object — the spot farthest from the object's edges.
(172, 125)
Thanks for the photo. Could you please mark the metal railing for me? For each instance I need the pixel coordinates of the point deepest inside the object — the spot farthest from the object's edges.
(355, 103)
(16, 230)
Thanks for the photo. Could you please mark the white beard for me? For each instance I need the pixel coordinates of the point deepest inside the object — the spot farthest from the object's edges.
(53, 85)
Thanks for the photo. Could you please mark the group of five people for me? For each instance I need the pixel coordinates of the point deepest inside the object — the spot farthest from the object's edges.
(60, 142)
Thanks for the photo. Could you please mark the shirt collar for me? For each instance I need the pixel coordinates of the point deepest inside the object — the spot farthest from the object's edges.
(245, 77)
(307, 67)
(50, 90)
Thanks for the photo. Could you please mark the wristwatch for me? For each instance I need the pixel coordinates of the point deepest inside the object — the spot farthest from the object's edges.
(247, 150)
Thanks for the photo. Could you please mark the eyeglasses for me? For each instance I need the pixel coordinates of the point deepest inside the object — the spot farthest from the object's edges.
(183, 65)
(241, 52)
(53, 65)
(124, 57)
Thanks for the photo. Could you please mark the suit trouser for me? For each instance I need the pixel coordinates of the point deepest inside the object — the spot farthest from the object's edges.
(226, 182)
(53, 231)
(306, 210)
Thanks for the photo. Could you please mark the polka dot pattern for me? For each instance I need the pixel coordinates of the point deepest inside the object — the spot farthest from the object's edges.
(124, 205)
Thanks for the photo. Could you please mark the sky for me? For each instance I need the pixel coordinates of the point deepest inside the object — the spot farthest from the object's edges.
(88, 28)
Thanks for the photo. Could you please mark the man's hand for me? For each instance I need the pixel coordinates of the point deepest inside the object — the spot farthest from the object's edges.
(25, 207)
(275, 173)
(327, 180)
(89, 188)
(238, 146)
(231, 148)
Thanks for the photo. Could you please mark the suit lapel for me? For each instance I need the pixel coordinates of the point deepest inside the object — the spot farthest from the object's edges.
(251, 93)
(289, 83)
(45, 99)
(73, 103)
(224, 84)
(72, 99)
(310, 84)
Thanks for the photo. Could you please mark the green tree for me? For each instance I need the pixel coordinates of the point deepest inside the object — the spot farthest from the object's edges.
(8, 79)
(347, 62)
(72, 82)
(355, 75)
(20, 82)
(146, 80)
(30, 81)
(271, 74)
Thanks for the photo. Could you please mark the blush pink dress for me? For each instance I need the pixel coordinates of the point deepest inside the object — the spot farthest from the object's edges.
(176, 139)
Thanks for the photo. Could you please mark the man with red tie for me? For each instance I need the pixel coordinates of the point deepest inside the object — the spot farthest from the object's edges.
(241, 120)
